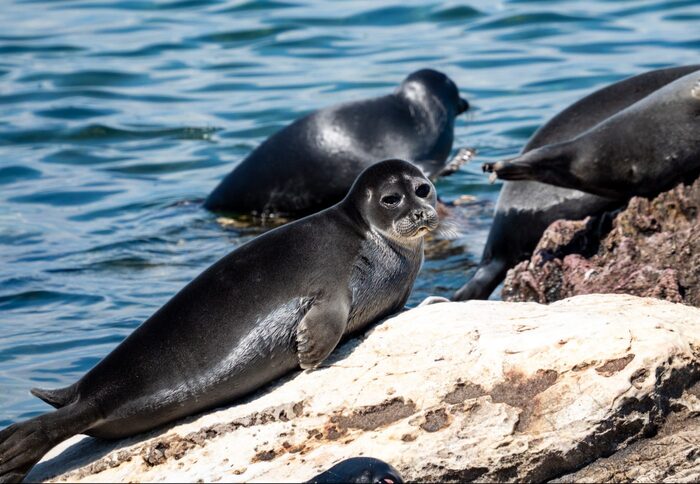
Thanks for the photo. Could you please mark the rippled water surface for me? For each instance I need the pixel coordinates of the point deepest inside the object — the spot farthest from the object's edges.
(118, 117)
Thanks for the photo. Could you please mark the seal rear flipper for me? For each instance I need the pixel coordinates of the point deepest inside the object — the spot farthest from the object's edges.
(22, 445)
(60, 397)
(463, 156)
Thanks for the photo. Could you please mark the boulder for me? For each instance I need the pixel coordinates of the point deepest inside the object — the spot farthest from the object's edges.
(653, 250)
(479, 390)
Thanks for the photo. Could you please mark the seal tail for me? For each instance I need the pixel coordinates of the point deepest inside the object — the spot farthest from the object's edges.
(57, 398)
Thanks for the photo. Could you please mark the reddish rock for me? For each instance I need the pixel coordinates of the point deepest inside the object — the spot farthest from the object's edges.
(653, 249)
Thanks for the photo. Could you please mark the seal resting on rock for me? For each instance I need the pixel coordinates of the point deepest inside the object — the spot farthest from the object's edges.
(645, 149)
(359, 470)
(281, 301)
(526, 208)
(310, 164)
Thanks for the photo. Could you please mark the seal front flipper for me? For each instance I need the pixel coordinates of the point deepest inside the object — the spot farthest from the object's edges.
(485, 280)
(321, 329)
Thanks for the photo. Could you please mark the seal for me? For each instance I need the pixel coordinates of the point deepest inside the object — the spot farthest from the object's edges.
(279, 302)
(526, 208)
(310, 164)
(643, 150)
(359, 470)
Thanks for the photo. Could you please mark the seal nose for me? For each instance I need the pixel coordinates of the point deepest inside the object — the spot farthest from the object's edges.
(418, 215)
(463, 105)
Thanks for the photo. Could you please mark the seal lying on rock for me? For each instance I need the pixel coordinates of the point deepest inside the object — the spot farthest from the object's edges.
(644, 149)
(526, 208)
(310, 164)
(359, 470)
(281, 301)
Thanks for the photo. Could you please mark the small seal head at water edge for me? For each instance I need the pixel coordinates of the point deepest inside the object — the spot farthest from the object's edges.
(365, 470)
(310, 164)
(283, 300)
(643, 150)
(526, 208)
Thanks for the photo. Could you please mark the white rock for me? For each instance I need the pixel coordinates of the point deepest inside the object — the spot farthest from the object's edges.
(454, 391)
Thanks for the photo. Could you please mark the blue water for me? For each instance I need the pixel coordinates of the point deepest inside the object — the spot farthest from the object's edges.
(118, 117)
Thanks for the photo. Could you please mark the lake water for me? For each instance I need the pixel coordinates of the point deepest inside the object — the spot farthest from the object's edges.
(118, 118)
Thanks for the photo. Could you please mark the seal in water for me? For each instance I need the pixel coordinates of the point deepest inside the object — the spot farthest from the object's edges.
(359, 470)
(526, 208)
(642, 150)
(310, 164)
(281, 301)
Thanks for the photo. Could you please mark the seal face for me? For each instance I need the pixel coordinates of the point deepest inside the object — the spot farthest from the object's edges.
(359, 470)
(526, 208)
(281, 301)
(642, 150)
(310, 164)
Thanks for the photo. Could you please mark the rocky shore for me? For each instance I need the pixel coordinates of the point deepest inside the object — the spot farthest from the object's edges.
(595, 387)
(653, 250)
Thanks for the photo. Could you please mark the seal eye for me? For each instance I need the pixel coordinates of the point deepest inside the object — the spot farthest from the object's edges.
(423, 190)
(391, 200)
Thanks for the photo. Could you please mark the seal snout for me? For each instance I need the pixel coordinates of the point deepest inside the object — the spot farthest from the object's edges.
(463, 106)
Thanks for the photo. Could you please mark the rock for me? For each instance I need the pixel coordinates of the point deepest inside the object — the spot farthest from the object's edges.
(673, 455)
(481, 390)
(653, 250)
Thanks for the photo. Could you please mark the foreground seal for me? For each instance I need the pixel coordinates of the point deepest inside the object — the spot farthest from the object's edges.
(526, 208)
(310, 164)
(359, 470)
(281, 301)
(645, 149)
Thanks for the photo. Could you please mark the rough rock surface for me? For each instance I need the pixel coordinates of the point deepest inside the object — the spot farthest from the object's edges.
(480, 390)
(653, 250)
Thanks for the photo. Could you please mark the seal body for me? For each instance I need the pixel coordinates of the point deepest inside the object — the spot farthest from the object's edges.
(281, 301)
(310, 164)
(526, 208)
(359, 470)
(643, 149)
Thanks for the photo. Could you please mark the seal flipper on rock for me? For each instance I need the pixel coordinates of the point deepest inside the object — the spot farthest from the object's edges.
(321, 329)
(24, 443)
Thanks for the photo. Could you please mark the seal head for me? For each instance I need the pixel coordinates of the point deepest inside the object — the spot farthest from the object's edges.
(396, 199)
(433, 88)
(365, 470)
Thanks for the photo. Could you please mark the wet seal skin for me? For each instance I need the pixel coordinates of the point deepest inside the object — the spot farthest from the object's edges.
(642, 150)
(526, 208)
(359, 470)
(282, 301)
(310, 164)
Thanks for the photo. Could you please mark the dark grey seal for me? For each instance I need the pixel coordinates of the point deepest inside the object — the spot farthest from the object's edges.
(644, 149)
(526, 208)
(310, 164)
(360, 470)
(281, 301)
